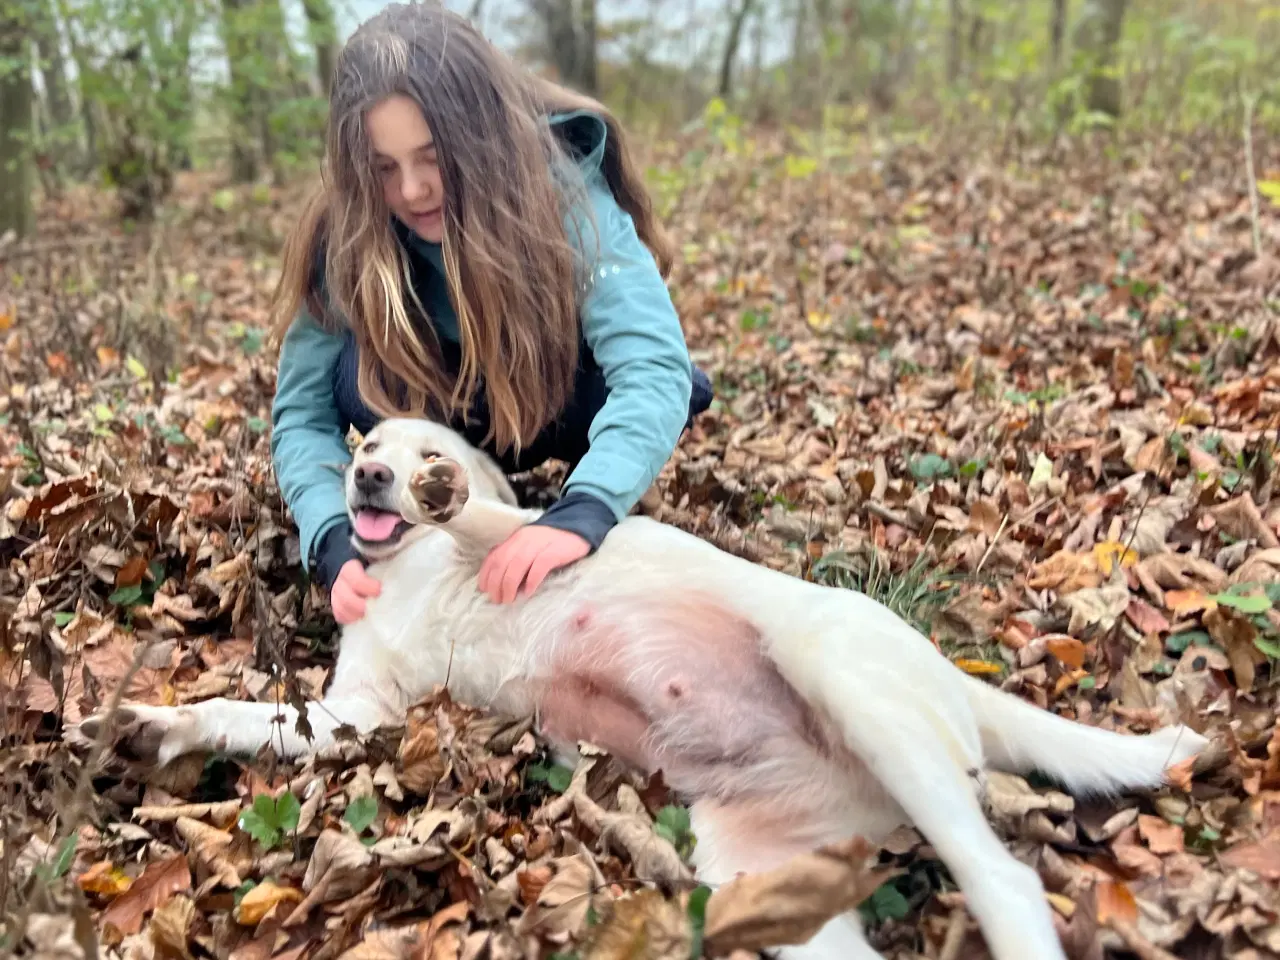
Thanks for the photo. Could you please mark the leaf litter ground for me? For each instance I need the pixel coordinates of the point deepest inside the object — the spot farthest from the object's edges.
(1033, 409)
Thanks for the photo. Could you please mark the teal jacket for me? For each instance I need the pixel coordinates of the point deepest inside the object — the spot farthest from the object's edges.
(628, 322)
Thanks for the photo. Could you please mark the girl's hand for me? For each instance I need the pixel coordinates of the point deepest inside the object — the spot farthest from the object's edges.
(526, 557)
(350, 591)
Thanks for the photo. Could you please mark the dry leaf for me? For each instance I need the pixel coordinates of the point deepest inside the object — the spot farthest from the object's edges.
(171, 925)
(642, 925)
(1097, 606)
(210, 845)
(791, 903)
(158, 882)
(262, 899)
(1162, 837)
(652, 857)
(105, 879)
(1067, 649)
(565, 899)
(1115, 901)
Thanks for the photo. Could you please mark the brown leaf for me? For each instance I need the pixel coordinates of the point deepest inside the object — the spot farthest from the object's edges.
(1097, 606)
(171, 926)
(105, 879)
(210, 845)
(341, 862)
(158, 882)
(565, 899)
(1235, 633)
(262, 899)
(1241, 519)
(791, 903)
(642, 925)
(1115, 900)
(1067, 649)
(652, 857)
(1146, 617)
(420, 762)
(1261, 857)
(1162, 836)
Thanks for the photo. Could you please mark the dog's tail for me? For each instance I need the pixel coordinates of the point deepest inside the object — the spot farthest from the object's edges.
(1018, 737)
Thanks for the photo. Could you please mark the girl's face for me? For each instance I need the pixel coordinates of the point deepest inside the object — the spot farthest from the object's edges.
(407, 165)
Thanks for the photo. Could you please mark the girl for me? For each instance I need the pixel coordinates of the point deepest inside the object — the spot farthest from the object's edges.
(482, 252)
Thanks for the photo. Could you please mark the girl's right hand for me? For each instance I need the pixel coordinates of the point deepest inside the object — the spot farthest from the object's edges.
(350, 591)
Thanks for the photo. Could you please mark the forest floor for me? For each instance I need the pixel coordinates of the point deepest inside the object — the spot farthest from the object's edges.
(1033, 407)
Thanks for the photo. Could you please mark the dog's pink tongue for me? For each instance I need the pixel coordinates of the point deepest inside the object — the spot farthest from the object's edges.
(374, 525)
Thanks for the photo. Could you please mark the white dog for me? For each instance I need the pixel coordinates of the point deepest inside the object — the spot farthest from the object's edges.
(790, 714)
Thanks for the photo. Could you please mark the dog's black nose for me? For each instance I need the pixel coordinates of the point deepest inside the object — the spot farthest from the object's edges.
(372, 477)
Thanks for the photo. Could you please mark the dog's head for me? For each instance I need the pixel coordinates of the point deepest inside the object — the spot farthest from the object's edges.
(382, 465)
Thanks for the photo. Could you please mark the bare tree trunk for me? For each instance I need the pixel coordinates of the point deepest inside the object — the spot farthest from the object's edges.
(800, 54)
(1098, 33)
(1057, 31)
(570, 38)
(84, 74)
(731, 47)
(588, 66)
(324, 37)
(16, 126)
(61, 131)
(244, 159)
(955, 28)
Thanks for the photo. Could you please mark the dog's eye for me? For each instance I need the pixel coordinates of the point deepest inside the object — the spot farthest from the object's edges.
(428, 454)
(370, 446)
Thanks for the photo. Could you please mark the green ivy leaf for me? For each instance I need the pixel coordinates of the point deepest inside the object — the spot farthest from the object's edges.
(126, 596)
(929, 467)
(1253, 603)
(558, 778)
(361, 813)
(697, 911)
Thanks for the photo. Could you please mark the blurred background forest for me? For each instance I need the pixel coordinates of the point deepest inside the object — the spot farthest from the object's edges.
(127, 93)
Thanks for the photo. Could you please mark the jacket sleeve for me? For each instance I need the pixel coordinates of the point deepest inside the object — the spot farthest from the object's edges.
(632, 328)
(308, 437)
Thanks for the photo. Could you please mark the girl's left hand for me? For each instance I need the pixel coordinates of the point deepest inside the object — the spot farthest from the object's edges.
(526, 557)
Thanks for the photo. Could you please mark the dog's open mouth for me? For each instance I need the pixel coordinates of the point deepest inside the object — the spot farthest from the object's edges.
(379, 526)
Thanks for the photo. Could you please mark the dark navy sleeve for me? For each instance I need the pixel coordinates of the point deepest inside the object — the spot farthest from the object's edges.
(582, 513)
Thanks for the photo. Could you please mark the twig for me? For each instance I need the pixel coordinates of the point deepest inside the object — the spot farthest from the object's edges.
(1143, 948)
(954, 940)
(992, 545)
(891, 516)
(1249, 99)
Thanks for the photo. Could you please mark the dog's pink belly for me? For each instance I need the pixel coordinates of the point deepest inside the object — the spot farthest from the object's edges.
(681, 684)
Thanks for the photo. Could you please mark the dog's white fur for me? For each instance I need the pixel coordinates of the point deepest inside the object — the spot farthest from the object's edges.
(789, 714)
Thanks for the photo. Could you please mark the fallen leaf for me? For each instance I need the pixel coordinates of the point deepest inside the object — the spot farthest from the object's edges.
(105, 879)
(1115, 901)
(171, 927)
(1162, 837)
(158, 882)
(262, 899)
(791, 903)
(641, 925)
(565, 900)
(1067, 649)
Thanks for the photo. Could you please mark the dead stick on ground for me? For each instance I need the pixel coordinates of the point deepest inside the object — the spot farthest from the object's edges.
(890, 516)
(1142, 948)
(954, 940)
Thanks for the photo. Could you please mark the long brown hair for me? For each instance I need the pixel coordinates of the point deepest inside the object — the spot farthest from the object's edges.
(513, 273)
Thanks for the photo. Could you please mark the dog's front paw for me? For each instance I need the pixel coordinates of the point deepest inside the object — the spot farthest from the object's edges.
(144, 735)
(439, 490)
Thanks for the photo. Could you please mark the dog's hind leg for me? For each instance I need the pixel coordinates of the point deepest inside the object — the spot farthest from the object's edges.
(161, 734)
(744, 838)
